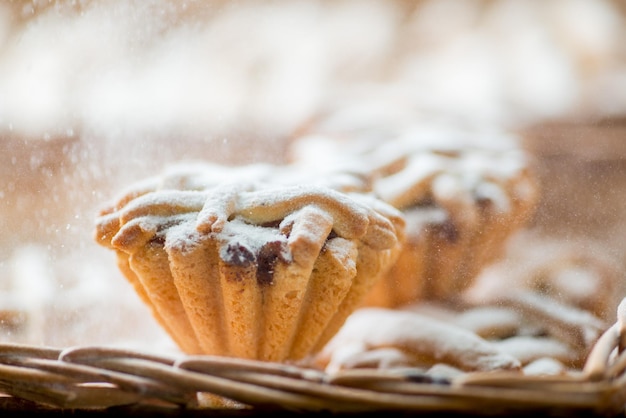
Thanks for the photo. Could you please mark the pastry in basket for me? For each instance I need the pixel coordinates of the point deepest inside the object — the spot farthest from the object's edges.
(463, 194)
(578, 272)
(262, 270)
(567, 288)
(386, 338)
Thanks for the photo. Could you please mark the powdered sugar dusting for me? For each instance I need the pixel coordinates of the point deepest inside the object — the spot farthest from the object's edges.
(250, 236)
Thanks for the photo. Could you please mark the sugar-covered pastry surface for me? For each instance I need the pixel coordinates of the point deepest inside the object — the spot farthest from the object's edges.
(463, 191)
(520, 314)
(264, 267)
(424, 157)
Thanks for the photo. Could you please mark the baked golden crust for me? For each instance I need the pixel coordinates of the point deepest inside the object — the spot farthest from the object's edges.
(462, 192)
(255, 270)
(403, 338)
(461, 207)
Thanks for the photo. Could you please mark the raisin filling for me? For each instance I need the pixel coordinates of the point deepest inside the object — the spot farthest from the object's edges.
(268, 256)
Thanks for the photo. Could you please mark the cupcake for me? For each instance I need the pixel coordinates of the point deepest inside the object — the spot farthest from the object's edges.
(463, 193)
(263, 270)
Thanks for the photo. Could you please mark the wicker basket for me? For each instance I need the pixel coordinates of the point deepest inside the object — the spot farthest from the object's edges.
(104, 379)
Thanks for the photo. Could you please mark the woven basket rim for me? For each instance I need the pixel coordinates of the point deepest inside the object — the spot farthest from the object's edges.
(95, 378)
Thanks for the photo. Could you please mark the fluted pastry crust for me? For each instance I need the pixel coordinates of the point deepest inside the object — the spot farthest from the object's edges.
(249, 269)
(463, 193)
